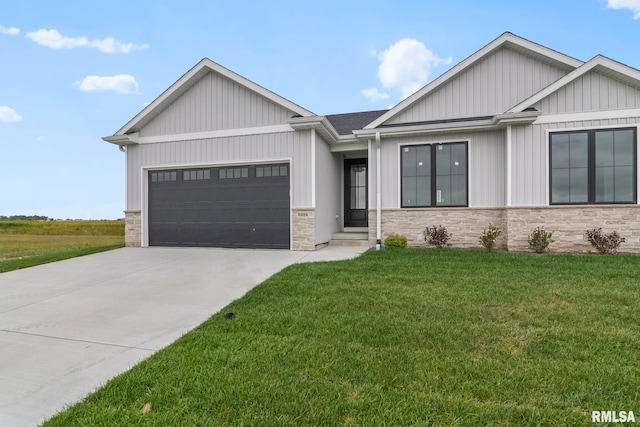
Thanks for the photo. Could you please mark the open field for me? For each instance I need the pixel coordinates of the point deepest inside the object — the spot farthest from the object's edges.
(400, 337)
(28, 243)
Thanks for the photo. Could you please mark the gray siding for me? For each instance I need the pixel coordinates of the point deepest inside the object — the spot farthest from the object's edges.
(591, 92)
(486, 167)
(529, 157)
(252, 148)
(328, 192)
(216, 103)
(491, 86)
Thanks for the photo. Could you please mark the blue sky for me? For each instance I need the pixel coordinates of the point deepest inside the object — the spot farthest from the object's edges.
(72, 72)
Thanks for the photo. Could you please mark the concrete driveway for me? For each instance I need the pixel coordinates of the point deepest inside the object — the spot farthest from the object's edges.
(68, 327)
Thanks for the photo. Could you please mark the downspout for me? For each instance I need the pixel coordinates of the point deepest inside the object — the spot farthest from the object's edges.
(378, 192)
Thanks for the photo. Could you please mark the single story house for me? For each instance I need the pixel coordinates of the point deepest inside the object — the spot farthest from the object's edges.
(517, 135)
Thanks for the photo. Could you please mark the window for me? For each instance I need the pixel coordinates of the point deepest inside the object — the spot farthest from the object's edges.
(196, 174)
(229, 173)
(163, 176)
(268, 171)
(594, 166)
(434, 175)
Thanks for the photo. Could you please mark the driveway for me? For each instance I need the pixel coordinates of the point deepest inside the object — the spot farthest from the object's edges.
(68, 327)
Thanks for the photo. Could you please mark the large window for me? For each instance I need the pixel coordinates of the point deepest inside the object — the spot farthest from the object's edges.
(434, 175)
(595, 166)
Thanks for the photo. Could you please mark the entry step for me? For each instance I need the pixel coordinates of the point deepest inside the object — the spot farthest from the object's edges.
(350, 239)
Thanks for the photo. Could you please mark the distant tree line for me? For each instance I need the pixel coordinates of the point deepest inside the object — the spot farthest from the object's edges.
(24, 218)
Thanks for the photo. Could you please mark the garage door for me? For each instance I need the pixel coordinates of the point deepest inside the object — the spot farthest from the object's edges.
(229, 207)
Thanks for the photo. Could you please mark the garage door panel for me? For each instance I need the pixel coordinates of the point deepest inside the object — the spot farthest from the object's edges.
(240, 210)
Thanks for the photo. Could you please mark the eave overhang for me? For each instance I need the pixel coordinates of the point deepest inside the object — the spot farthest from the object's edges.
(497, 122)
(120, 140)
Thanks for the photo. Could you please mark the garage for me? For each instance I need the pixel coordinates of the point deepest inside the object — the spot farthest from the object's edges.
(246, 206)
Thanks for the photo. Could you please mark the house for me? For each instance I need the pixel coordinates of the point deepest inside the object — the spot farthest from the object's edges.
(517, 135)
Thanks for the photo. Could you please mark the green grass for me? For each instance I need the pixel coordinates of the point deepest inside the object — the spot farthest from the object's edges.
(400, 337)
(28, 243)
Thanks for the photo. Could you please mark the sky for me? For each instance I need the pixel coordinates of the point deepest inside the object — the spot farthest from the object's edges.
(73, 72)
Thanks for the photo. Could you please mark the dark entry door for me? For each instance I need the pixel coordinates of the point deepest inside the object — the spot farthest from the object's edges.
(355, 193)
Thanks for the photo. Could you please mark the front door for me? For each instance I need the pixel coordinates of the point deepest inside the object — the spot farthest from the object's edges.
(355, 193)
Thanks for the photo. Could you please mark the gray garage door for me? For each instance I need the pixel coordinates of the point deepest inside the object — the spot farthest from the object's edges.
(229, 207)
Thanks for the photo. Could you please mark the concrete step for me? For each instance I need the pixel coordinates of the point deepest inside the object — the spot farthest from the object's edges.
(358, 238)
(350, 236)
(350, 243)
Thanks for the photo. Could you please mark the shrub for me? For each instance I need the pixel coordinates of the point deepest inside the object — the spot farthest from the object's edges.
(395, 241)
(604, 243)
(489, 236)
(436, 236)
(540, 240)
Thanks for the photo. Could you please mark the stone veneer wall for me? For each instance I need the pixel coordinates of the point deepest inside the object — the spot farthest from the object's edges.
(464, 224)
(303, 228)
(132, 229)
(568, 224)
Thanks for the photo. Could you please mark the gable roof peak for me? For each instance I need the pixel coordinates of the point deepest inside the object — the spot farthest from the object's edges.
(505, 40)
(190, 78)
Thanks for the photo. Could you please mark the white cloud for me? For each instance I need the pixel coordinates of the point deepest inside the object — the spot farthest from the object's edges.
(407, 65)
(632, 5)
(374, 94)
(12, 31)
(8, 114)
(55, 40)
(120, 83)
(41, 139)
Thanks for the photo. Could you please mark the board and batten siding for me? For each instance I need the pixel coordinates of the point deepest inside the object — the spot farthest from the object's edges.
(487, 170)
(491, 86)
(221, 151)
(328, 192)
(591, 92)
(529, 156)
(215, 103)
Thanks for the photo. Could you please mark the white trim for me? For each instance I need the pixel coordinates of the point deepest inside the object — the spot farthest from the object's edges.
(547, 188)
(378, 190)
(504, 40)
(509, 165)
(223, 133)
(340, 148)
(599, 62)
(369, 177)
(313, 168)
(587, 116)
(144, 171)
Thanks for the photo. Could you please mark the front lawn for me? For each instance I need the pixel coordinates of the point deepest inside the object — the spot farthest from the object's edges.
(404, 337)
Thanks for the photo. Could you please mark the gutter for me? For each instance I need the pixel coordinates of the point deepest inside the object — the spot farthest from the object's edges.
(121, 140)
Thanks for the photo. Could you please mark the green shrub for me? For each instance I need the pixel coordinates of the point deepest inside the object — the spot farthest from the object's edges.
(395, 241)
(540, 240)
(604, 243)
(489, 236)
(436, 236)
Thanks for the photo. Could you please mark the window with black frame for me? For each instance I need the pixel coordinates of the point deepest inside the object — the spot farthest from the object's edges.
(434, 175)
(593, 166)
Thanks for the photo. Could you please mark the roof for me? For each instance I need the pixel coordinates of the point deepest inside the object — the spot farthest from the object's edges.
(344, 124)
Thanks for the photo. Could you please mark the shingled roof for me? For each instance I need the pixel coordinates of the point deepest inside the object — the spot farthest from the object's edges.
(344, 124)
